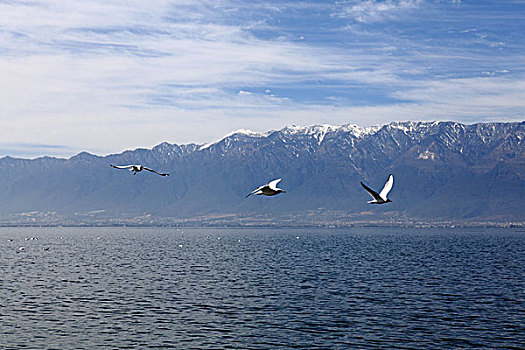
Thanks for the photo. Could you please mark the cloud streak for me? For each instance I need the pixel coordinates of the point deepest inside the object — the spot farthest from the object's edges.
(370, 11)
(107, 75)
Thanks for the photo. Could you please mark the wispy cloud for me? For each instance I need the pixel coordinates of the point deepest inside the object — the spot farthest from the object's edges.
(368, 11)
(32, 150)
(107, 75)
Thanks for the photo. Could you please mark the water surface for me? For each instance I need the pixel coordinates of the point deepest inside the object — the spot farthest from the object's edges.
(123, 288)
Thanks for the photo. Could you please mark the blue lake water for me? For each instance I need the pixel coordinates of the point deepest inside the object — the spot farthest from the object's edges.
(364, 288)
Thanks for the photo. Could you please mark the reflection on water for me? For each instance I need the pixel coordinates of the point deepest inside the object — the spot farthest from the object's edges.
(87, 288)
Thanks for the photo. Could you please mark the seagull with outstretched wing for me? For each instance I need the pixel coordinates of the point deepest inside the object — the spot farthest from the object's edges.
(137, 168)
(270, 189)
(380, 198)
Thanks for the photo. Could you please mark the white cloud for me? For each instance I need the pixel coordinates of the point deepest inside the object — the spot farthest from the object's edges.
(470, 98)
(103, 75)
(376, 11)
(464, 100)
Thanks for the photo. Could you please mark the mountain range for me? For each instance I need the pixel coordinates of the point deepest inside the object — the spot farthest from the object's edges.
(444, 172)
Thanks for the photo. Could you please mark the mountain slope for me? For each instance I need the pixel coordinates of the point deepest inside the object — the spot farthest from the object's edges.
(443, 171)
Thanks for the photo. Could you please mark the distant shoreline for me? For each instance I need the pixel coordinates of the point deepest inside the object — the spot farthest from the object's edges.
(512, 225)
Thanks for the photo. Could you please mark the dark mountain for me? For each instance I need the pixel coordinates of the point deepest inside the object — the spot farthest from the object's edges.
(443, 171)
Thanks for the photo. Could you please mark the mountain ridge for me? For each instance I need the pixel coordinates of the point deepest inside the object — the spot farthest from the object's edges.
(443, 171)
(310, 130)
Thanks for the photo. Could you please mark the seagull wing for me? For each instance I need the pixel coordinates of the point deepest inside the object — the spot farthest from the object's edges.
(388, 186)
(252, 192)
(122, 166)
(373, 193)
(156, 172)
(273, 184)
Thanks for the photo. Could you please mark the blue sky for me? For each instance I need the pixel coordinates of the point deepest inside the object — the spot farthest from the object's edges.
(109, 75)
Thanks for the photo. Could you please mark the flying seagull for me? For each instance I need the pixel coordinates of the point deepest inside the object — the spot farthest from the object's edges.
(380, 198)
(270, 189)
(137, 168)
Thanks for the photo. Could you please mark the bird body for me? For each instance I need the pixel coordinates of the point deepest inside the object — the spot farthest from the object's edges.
(380, 198)
(137, 168)
(270, 189)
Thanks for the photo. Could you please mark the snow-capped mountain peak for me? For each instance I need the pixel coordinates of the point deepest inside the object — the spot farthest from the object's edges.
(245, 132)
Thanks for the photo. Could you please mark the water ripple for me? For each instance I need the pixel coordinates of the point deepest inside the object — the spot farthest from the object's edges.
(262, 289)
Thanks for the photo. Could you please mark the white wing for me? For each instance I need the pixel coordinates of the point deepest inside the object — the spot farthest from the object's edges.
(122, 166)
(273, 184)
(252, 192)
(388, 187)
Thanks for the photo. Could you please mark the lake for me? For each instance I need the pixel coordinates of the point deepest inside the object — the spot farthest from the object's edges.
(356, 288)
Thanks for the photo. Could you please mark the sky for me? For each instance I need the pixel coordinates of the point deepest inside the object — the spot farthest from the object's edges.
(104, 76)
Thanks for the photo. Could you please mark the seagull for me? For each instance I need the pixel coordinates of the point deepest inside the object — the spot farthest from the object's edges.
(270, 189)
(137, 168)
(380, 198)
